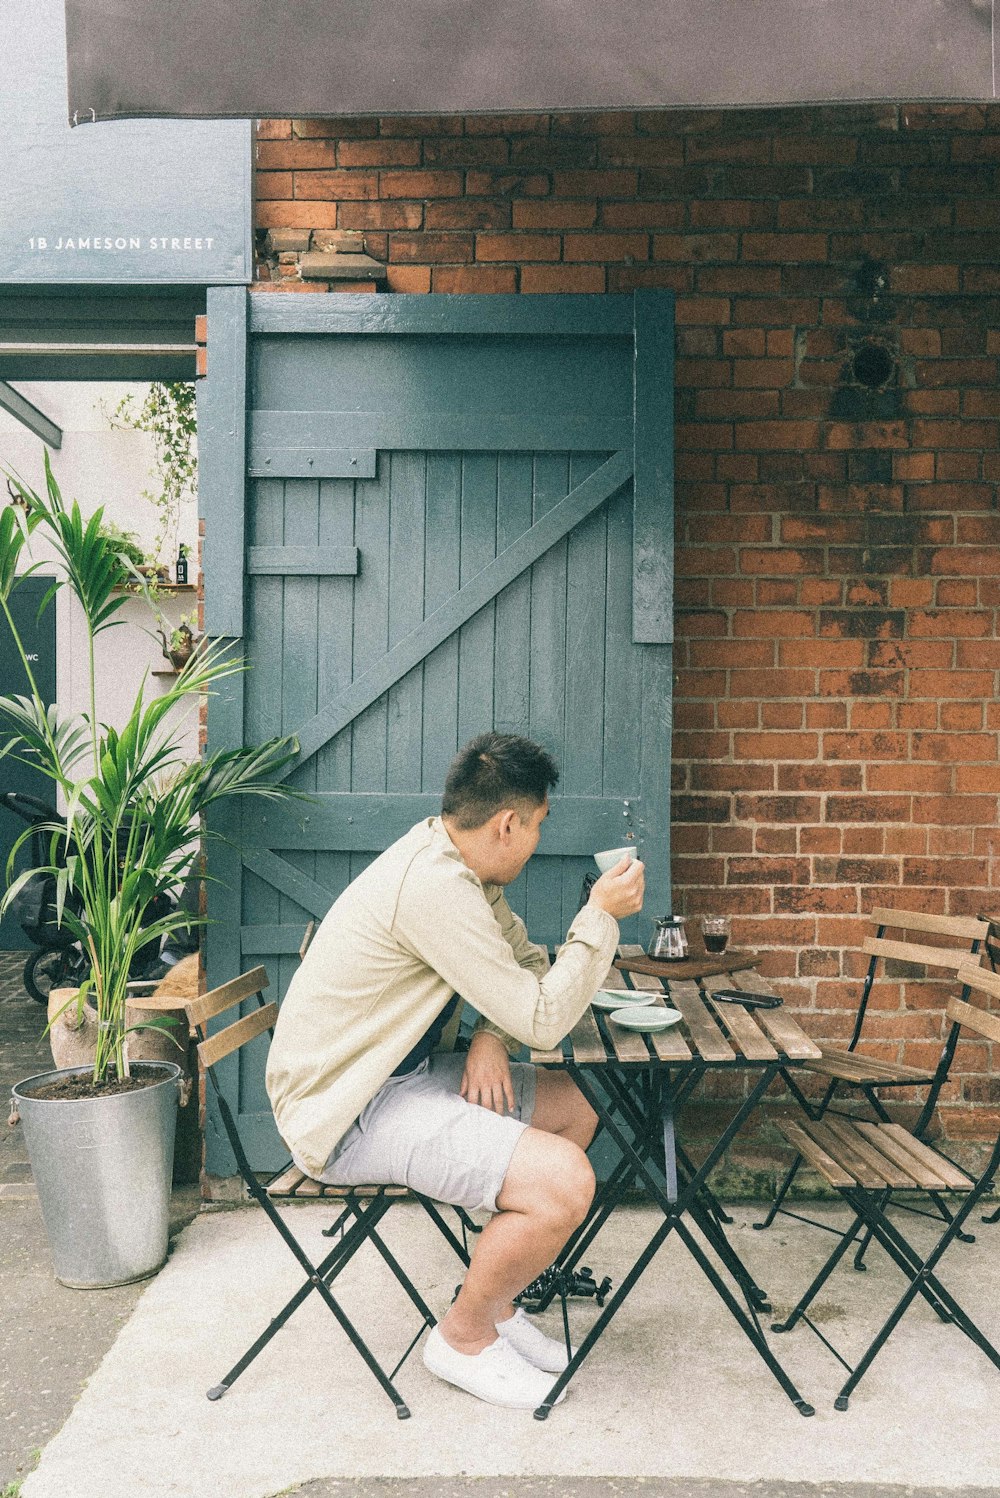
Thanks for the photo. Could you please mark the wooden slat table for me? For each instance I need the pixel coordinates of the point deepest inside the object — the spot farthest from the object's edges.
(637, 1084)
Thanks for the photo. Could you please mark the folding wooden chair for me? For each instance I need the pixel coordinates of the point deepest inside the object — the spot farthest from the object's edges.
(850, 1070)
(865, 1162)
(362, 1208)
(992, 950)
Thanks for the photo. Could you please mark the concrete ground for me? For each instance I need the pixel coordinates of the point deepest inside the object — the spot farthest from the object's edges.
(673, 1394)
(674, 1403)
(53, 1338)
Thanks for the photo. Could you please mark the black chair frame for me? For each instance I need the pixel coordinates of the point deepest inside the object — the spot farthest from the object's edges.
(870, 1091)
(870, 1209)
(362, 1211)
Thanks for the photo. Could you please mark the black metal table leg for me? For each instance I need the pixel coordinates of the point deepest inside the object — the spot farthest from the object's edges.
(674, 1210)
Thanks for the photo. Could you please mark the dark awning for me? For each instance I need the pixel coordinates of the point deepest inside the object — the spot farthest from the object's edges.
(261, 58)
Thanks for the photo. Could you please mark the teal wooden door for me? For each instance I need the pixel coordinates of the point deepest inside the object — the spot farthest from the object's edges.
(427, 517)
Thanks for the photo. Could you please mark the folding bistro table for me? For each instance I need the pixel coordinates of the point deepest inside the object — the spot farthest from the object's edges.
(637, 1085)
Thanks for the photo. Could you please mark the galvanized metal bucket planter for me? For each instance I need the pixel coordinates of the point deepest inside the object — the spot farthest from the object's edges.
(103, 1169)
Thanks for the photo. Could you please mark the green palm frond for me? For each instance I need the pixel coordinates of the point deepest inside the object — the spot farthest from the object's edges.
(133, 804)
(16, 526)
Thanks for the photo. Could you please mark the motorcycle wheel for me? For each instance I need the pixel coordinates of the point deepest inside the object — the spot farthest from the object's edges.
(47, 970)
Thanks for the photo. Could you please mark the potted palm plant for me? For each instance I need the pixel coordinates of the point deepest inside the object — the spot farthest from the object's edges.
(100, 1138)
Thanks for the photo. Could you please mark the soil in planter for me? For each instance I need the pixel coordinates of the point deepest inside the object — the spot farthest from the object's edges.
(77, 1089)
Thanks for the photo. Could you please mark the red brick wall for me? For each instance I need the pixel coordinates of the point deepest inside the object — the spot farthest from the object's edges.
(837, 654)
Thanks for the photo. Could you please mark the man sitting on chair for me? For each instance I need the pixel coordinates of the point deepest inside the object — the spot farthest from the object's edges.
(365, 1087)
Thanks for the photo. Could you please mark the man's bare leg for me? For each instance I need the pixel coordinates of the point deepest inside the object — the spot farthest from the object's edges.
(546, 1192)
(561, 1108)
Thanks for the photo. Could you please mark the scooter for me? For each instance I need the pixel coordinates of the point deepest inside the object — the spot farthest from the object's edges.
(60, 961)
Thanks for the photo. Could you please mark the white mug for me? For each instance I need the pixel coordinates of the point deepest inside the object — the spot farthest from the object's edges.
(612, 856)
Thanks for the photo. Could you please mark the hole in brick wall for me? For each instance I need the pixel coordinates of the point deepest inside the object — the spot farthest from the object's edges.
(872, 366)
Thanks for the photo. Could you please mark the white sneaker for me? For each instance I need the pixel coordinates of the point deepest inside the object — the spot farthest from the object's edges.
(532, 1343)
(498, 1374)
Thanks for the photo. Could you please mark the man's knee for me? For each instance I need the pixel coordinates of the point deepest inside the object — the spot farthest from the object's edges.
(548, 1176)
(579, 1182)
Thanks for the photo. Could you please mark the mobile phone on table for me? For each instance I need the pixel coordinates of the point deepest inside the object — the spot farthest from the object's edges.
(748, 1000)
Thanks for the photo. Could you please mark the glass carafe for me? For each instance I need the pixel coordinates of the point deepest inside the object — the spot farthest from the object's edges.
(669, 943)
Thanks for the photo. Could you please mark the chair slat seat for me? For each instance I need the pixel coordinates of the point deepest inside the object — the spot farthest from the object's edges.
(873, 1156)
(853, 1066)
(294, 1183)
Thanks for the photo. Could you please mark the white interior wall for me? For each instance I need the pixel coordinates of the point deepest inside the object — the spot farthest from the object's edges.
(100, 466)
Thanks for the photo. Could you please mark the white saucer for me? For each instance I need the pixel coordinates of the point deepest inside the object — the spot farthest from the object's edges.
(648, 1017)
(619, 998)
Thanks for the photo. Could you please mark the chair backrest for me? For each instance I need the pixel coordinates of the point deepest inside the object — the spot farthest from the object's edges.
(980, 1020)
(207, 1006)
(224, 1042)
(982, 1023)
(965, 936)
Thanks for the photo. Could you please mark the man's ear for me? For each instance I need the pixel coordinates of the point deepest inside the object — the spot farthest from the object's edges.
(504, 822)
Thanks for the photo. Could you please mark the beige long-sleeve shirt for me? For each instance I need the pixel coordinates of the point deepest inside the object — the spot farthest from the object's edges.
(416, 927)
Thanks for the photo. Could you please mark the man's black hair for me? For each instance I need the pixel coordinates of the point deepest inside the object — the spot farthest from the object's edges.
(493, 772)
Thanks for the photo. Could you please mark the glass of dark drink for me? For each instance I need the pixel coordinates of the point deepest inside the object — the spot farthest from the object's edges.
(715, 931)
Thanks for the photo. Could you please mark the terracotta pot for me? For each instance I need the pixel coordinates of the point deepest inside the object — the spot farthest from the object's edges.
(73, 1040)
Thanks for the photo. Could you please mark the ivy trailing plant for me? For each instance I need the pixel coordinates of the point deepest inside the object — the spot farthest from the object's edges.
(168, 414)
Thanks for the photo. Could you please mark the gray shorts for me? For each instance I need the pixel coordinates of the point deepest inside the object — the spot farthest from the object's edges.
(418, 1132)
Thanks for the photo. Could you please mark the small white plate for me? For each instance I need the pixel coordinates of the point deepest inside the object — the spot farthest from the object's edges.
(648, 1017)
(618, 998)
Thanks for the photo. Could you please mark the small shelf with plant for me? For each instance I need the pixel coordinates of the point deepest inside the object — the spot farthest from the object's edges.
(168, 415)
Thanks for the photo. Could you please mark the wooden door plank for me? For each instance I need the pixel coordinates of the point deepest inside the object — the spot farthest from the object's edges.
(374, 819)
(407, 551)
(511, 665)
(509, 316)
(655, 728)
(478, 551)
(318, 462)
(222, 406)
(653, 489)
(222, 400)
(556, 523)
(308, 561)
(436, 429)
(622, 745)
(584, 605)
(741, 1025)
(547, 678)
